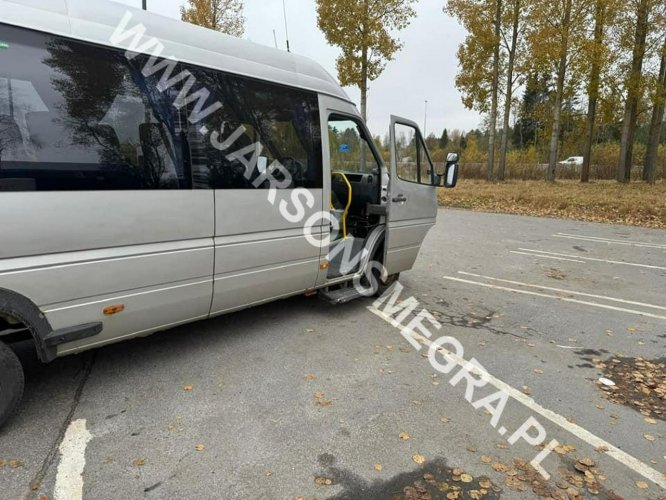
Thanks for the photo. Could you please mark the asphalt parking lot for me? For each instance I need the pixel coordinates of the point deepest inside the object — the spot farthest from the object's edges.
(302, 399)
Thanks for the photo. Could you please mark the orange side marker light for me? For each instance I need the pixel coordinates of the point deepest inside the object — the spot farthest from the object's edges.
(118, 308)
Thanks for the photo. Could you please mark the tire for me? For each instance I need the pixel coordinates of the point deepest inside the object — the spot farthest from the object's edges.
(12, 383)
(385, 285)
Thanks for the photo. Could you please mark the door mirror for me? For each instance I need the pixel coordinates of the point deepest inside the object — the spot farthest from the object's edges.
(451, 172)
(451, 176)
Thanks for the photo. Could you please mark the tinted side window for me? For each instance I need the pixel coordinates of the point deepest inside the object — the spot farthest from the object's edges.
(74, 116)
(257, 124)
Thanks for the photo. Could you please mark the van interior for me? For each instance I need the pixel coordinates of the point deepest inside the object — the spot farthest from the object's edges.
(356, 182)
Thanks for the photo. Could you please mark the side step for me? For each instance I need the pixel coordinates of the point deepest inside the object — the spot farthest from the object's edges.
(340, 296)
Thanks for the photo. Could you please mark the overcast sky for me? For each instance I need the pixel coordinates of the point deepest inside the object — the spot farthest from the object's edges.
(424, 70)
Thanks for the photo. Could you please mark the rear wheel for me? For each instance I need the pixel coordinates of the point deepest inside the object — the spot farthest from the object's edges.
(11, 383)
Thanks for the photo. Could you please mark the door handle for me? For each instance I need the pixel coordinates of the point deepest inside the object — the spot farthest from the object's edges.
(401, 198)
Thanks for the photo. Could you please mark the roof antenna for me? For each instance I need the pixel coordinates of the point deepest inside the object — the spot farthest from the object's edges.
(275, 38)
(286, 29)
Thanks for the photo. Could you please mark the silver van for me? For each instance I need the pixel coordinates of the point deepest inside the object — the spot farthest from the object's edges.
(154, 173)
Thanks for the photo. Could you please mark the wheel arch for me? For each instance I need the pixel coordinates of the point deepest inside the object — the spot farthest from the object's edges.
(23, 309)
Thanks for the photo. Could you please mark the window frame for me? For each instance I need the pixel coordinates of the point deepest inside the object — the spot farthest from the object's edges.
(362, 127)
(420, 145)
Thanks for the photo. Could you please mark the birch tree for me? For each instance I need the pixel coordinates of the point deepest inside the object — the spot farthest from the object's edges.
(634, 85)
(479, 56)
(363, 29)
(657, 121)
(513, 45)
(555, 39)
(597, 55)
(225, 16)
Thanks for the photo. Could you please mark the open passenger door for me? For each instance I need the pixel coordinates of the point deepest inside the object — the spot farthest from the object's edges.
(412, 196)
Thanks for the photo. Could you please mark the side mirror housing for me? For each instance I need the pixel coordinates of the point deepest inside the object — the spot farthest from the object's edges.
(450, 174)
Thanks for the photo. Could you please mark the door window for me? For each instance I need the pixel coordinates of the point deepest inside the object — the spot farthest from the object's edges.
(412, 158)
(350, 150)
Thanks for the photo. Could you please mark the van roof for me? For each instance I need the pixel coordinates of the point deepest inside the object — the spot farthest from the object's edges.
(95, 22)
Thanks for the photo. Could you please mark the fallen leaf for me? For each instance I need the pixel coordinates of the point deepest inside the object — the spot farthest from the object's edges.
(323, 481)
(310, 376)
(486, 459)
(419, 459)
(188, 387)
(138, 462)
(641, 485)
(650, 420)
(538, 370)
(200, 447)
(466, 478)
(445, 420)
(318, 394)
(403, 436)
(587, 461)
(500, 467)
(649, 437)
(378, 467)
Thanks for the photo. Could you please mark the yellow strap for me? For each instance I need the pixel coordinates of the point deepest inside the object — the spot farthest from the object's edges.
(349, 201)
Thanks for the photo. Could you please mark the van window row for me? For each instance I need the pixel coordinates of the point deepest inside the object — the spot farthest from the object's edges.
(77, 116)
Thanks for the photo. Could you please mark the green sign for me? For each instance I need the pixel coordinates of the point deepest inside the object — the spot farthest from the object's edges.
(4, 45)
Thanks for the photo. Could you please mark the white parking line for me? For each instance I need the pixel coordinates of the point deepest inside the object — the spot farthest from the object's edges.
(596, 442)
(610, 241)
(556, 297)
(541, 287)
(547, 256)
(69, 478)
(537, 253)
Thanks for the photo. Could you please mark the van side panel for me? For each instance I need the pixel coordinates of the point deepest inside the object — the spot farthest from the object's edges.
(259, 255)
(39, 223)
(151, 251)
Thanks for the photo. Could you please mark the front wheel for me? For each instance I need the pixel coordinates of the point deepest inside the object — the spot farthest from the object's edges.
(11, 383)
(384, 285)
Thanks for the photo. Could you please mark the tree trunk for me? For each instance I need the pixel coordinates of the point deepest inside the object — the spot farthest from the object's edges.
(656, 125)
(559, 93)
(509, 91)
(633, 94)
(495, 90)
(593, 89)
